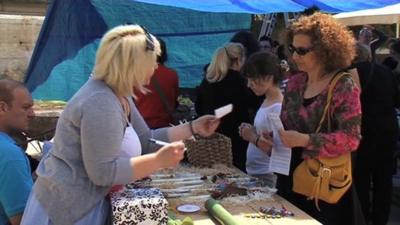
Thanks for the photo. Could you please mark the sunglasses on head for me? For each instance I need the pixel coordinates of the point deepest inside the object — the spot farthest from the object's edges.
(149, 39)
(299, 50)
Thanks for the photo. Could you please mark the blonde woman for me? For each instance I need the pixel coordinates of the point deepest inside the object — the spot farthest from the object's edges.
(222, 85)
(101, 138)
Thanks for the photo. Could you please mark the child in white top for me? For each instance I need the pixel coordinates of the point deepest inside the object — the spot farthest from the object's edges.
(264, 77)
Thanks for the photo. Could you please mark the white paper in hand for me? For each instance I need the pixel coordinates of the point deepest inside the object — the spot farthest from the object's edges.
(222, 111)
(280, 155)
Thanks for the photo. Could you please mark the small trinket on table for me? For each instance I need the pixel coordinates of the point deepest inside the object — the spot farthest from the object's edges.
(188, 208)
(275, 213)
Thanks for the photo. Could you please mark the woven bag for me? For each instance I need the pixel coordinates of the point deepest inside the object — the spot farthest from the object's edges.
(207, 151)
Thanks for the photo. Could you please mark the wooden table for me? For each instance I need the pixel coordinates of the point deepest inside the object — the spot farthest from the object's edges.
(239, 212)
(238, 207)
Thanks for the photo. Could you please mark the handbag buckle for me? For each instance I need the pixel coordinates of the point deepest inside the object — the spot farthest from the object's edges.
(327, 171)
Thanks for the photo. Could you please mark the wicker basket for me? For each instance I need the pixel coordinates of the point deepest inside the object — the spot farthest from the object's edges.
(205, 152)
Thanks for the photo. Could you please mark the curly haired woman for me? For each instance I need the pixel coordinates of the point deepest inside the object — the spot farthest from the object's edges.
(322, 48)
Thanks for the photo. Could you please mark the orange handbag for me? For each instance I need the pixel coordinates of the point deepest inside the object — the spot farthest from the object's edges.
(326, 179)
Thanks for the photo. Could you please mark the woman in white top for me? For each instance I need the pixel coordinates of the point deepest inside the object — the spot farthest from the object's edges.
(264, 77)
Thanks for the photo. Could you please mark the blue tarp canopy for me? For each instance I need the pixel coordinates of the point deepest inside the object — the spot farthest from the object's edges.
(192, 29)
(271, 6)
(65, 51)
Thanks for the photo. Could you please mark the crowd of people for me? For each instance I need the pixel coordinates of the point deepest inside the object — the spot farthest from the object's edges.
(333, 95)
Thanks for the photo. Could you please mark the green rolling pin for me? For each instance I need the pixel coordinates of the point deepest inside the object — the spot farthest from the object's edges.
(219, 213)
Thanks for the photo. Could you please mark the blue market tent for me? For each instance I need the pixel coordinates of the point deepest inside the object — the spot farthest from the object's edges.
(65, 51)
(268, 6)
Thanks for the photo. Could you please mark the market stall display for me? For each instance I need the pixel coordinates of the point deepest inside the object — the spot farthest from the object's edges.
(246, 199)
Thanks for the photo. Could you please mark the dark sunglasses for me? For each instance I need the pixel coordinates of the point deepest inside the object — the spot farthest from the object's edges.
(299, 50)
(149, 39)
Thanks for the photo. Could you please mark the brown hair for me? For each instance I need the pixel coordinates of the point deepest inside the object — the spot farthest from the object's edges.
(7, 88)
(261, 65)
(333, 43)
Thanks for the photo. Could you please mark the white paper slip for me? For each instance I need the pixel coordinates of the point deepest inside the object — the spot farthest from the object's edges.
(280, 160)
(222, 111)
(280, 155)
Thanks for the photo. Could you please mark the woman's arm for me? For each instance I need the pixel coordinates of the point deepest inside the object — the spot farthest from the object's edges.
(262, 141)
(203, 126)
(346, 108)
(167, 156)
(102, 125)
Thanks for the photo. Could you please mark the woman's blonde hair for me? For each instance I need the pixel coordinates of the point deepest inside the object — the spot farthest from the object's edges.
(124, 57)
(223, 59)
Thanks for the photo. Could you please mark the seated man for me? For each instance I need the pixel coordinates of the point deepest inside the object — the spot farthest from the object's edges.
(15, 174)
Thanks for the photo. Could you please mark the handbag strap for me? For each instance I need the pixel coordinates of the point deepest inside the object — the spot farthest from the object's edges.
(329, 97)
(322, 176)
(162, 95)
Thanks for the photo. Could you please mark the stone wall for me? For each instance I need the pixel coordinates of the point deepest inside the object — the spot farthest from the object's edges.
(24, 7)
(18, 35)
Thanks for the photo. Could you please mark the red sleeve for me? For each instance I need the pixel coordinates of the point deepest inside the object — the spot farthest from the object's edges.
(346, 108)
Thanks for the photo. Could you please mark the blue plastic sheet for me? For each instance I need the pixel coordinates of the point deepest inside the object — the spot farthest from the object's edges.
(65, 52)
(271, 6)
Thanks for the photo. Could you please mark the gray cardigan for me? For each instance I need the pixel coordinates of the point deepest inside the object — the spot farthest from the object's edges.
(84, 161)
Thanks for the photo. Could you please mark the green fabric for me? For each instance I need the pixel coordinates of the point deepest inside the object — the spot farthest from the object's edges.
(172, 220)
(186, 221)
(219, 213)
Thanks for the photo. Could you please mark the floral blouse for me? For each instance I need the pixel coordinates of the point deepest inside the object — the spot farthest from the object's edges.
(345, 108)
